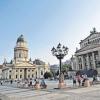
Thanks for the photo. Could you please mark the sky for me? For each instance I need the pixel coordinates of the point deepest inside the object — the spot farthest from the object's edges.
(45, 23)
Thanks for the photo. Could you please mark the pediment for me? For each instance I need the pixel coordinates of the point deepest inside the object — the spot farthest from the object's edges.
(92, 36)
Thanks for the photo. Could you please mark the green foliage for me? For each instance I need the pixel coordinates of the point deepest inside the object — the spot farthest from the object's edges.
(66, 67)
(47, 75)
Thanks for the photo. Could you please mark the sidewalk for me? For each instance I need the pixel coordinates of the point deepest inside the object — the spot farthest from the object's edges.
(11, 93)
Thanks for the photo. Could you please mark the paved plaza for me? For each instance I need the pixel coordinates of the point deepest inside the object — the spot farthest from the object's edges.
(8, 92)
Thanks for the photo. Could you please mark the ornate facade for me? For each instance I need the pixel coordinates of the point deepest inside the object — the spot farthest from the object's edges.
(0, 71)
(21, 67)
(88, 56)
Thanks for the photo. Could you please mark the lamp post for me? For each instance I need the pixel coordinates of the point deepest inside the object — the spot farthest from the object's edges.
(60, 52)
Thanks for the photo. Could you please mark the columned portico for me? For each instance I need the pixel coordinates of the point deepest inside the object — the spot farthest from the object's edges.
(88, 61)
(89, 51)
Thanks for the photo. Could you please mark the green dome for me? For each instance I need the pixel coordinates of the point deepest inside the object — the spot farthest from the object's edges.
(21, 39)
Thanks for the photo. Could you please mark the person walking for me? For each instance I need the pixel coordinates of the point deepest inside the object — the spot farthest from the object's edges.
(94, 80)
(43, 84)
(74, 81)
(1, 82)
(79, 80)
(11, 81)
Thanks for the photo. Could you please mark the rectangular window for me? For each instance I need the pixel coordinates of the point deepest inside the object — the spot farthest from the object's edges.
(16, 70)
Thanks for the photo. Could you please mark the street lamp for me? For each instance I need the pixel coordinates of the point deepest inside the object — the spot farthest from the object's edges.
(60, 52)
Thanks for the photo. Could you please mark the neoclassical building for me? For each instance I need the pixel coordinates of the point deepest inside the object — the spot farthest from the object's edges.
(21, 67)
(0, 71)
(88, 56)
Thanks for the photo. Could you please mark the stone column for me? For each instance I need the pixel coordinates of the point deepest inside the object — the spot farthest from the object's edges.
(12, 74)
(88, 62)
(94, 64)
(77, 63)
(99, 55)
(83, 65)
(98, 69)
(7, 74)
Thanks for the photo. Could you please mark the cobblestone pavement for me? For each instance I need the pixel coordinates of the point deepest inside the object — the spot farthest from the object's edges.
(86, 93)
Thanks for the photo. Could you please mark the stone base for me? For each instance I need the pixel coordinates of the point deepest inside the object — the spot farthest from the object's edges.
(61, 85)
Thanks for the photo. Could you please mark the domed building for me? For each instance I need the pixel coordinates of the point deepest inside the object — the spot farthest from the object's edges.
(21, 50)
(21, 67)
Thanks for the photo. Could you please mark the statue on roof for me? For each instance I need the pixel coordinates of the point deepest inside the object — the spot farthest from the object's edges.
(93, 31)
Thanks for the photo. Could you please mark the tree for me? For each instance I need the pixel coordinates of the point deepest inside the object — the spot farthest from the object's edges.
(53, 73)
(64, 68)
(47, 75)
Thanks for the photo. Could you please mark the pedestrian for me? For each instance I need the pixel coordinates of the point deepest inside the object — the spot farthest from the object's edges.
(94, 79)
(36, 81)
(1, 82)
(79, 80)
(83, 81)
(43, 84)
(30, 83)
(74, 81)
(11, 82)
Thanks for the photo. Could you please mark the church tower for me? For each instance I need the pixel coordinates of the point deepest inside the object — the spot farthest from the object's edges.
(21, 50)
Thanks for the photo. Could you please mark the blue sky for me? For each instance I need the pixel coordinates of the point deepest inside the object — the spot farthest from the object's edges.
(45, 23)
